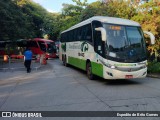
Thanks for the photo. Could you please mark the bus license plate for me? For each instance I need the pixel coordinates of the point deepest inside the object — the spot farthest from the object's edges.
(129, 76)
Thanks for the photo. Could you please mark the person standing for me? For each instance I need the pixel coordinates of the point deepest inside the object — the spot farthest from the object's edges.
(28, 59)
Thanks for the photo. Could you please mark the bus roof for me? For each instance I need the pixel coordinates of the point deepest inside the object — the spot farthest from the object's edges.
(105, 19)
(41, 39)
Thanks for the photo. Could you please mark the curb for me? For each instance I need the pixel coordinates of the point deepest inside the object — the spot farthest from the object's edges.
(154, 75)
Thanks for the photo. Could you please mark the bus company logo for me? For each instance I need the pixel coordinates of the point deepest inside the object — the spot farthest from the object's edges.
(84, 47)
(129, 70)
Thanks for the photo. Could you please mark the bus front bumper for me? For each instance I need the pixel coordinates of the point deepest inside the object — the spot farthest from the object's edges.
(116, 74)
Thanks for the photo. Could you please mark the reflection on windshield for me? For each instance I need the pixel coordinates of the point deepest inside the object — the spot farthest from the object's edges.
(116, 40)
(51, 47)
(125, 44)
(42, 45)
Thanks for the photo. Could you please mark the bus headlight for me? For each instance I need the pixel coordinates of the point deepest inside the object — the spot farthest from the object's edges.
(144, 66)
(110, 66)
(113, 67)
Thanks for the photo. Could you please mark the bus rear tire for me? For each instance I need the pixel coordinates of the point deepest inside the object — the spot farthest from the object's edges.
(89, 71)
(65, 61)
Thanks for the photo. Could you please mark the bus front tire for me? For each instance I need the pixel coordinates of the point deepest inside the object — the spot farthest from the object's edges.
(65, 62)
(89, 71)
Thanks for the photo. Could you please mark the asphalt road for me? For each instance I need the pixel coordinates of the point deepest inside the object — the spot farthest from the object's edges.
(59, 88)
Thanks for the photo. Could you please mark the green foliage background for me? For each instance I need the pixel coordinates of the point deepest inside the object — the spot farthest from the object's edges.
(154, 67)
(26, 19)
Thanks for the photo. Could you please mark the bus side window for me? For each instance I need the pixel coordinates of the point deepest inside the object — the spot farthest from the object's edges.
(79, 35)
(42, 46)
(62, 37)
(67, 37)
(89, 33)
(84, 28)
(71, 35)
(33, 44)
(76, 34)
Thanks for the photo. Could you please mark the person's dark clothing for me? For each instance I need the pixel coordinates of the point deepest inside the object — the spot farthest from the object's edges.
(27, 64)
(28, 59)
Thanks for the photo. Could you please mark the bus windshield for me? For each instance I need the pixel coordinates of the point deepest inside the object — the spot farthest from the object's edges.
(42, 45)
(51, 47)
(125, 43)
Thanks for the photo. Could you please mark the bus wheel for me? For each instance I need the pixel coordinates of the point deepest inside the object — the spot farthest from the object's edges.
(89, 71)
(65, 62)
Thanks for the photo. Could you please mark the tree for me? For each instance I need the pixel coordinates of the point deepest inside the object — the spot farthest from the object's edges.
(70, 16)
(22, 19)
(36, 15)
(120, 9)
(149, 18)
(71, 10)
(79, 3)
(13, 23)
(51, 25)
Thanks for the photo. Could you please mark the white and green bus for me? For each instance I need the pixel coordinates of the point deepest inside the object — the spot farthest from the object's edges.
(112, 48)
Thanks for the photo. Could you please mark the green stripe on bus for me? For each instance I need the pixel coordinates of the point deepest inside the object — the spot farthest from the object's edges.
(97, 69)
(77, 62)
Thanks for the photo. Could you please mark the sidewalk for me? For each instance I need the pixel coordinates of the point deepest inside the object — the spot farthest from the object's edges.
(153, 75)
(18, 65)
(20, 72)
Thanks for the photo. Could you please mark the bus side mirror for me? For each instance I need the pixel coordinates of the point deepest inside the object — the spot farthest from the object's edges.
(152, 37)
(103, 33)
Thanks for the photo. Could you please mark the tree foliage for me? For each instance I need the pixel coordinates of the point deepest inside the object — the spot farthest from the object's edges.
(110, 8)
(70, 16)
(80, 3)
(26, 19)
(12, 21)
(22, 19)
(149, 18)
(71, 10)
(94, 9)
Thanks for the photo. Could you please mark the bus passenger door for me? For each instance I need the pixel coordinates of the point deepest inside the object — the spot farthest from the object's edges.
(97, 67)
(98, 43)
